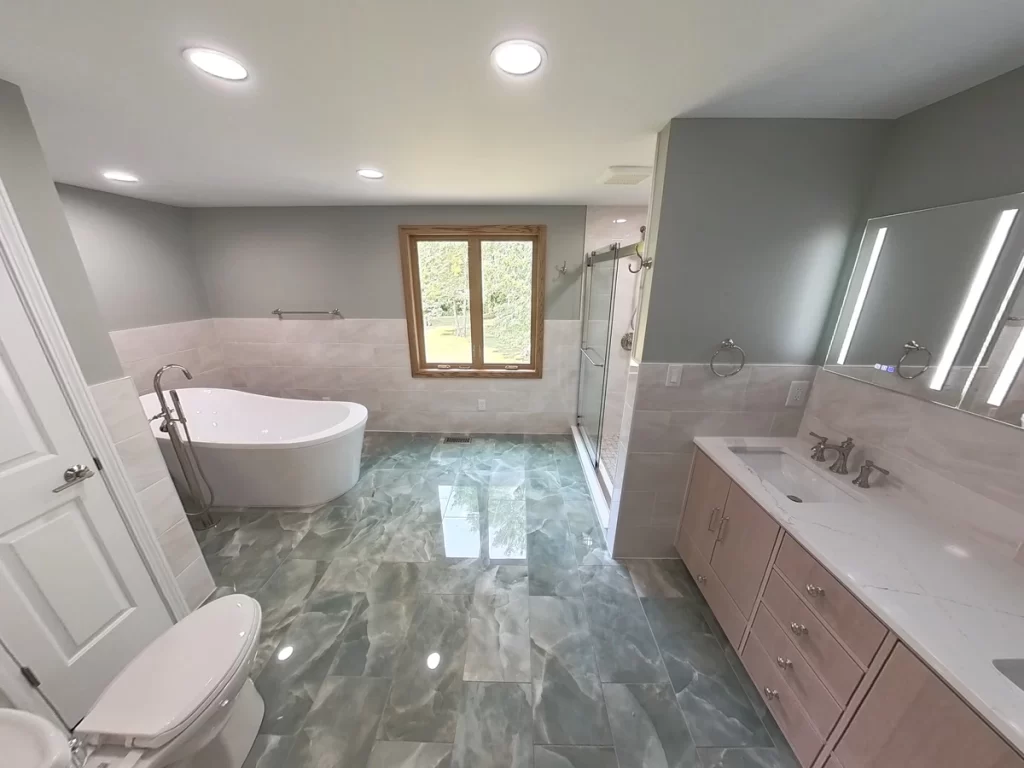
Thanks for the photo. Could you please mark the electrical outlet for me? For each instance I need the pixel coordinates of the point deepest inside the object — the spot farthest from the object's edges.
(674, 375)
(481, 404)
(798, 393)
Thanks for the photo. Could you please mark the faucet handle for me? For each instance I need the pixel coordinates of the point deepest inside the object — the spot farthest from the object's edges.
(819, 437)
(862, 479)
(818, 451)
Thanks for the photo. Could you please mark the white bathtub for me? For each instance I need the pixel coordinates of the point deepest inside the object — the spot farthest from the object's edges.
(268, 451)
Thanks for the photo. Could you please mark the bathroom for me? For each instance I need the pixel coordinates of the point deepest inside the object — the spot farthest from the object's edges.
(677, 432)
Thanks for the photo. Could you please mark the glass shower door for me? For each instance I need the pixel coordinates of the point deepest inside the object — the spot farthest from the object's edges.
(598, 298)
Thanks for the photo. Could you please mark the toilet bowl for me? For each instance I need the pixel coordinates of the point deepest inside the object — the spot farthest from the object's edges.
(186, 701)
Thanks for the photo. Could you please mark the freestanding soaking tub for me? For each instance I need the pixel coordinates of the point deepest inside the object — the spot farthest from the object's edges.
(262, 451)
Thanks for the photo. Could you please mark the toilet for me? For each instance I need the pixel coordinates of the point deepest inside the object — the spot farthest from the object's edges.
(186, 701)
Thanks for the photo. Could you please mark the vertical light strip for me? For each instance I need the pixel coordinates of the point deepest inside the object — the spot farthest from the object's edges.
(997, 323)
(1009, 372)
(862, 294)
(970, 305)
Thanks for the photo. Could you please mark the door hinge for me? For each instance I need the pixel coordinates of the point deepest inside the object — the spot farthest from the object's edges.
(98, 463)
(29, 675)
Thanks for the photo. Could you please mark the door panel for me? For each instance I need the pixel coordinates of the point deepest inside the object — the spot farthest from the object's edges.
(76, 601)
(746, 538)
(705, 500)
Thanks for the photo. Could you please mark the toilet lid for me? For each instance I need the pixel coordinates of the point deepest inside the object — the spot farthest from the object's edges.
(174, 679)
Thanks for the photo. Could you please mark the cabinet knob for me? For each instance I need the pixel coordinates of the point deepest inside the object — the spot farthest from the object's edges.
(702, 579)
(798, 629)
(770, 693)
(784, 663)
(815, 591)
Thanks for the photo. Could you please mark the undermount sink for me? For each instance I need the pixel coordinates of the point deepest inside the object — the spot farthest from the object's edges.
(791, 478)
(1012, 669)
(29, 741)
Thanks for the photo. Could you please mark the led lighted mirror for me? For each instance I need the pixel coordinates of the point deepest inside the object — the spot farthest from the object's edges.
(935, 307)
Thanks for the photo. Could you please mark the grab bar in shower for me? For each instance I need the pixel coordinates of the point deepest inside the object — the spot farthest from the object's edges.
(282, 312)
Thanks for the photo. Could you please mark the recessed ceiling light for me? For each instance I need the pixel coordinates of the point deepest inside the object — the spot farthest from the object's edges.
(618, 221)
(370, 173)
(518, 57)
(216, 63)
(122, 176)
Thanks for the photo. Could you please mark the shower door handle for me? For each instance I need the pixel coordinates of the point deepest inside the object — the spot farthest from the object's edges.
(584, 351)
(73, 476)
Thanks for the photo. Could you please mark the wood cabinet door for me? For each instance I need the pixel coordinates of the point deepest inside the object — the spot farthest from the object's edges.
(705, 501)
(911, 719)
(745, 539)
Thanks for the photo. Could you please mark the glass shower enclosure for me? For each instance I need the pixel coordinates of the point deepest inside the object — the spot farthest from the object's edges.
(599, 280)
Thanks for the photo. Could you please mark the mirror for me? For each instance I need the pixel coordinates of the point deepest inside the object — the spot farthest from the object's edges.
(935, 307)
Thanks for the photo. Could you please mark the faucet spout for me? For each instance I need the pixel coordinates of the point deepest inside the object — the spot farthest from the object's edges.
(158, 389)
(839, 466)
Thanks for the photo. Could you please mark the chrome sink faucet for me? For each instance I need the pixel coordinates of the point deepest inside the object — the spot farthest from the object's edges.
(842, 449)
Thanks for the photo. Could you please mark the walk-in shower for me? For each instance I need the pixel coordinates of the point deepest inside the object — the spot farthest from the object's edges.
(609, 307)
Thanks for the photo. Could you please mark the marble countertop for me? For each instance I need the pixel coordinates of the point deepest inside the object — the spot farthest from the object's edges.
(954, 601)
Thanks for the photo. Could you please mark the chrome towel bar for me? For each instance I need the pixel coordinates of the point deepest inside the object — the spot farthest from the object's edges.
(282, 312)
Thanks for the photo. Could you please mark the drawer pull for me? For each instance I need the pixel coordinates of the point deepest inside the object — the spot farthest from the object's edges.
(784, 663)
(770, 693)
(702, 579)
(815, 591)
(721, 530)
(711, 520)
(798, 629)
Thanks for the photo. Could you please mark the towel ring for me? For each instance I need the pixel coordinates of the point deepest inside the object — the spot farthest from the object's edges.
(722, 347)
(913, 346)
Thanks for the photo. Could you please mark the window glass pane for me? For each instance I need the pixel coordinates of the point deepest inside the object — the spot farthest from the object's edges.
(444, 296)
(507, 272)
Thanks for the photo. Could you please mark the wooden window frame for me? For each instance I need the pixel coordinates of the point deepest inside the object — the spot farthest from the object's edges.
(408, 237)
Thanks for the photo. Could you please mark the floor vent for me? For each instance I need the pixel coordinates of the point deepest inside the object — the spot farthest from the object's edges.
(457, 439)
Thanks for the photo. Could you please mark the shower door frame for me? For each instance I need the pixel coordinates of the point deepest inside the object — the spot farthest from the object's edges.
(611, 253)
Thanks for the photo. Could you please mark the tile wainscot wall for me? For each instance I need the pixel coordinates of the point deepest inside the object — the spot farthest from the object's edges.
(358, 360)
(942, 461)
(121, 410)
(660, 428)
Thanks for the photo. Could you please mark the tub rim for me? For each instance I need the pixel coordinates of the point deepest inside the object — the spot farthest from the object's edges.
(358, 414)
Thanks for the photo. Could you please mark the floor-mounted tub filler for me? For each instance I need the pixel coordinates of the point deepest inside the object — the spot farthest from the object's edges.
(262, 451)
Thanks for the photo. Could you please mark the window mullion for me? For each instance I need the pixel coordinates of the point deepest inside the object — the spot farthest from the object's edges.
(476, 303)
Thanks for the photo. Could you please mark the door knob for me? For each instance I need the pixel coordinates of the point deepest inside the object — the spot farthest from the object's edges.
(74, 475)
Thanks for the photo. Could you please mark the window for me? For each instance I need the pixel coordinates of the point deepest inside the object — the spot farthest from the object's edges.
(474, 299)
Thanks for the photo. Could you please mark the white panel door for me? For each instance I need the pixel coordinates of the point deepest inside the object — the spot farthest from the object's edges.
(76, 600)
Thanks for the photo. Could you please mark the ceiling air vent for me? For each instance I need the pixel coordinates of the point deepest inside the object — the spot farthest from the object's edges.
(626, 174)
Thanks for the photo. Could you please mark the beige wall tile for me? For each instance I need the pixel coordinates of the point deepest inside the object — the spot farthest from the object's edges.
(162, 506)
(196, 583)
(179, 546)
(142, 460)
(119, 407)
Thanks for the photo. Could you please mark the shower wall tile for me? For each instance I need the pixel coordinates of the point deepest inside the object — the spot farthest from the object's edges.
(660, 425)
(362, 360)
(118, 403)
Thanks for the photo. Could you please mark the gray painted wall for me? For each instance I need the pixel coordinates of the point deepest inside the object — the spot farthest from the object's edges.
(29, 184)
(139, 258)
(969, 146)
(754, 224)
(253, 260)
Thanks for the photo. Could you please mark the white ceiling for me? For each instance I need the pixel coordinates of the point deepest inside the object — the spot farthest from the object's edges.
(406, 86)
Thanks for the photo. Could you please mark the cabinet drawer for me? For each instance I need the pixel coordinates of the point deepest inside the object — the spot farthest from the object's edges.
(782, 702)
(794, 669)
(852, 622)
(721, 604)
(833, 665)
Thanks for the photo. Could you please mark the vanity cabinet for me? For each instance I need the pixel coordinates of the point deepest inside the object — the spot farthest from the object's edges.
(844, 692)
(911, 719)
(726, 541)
